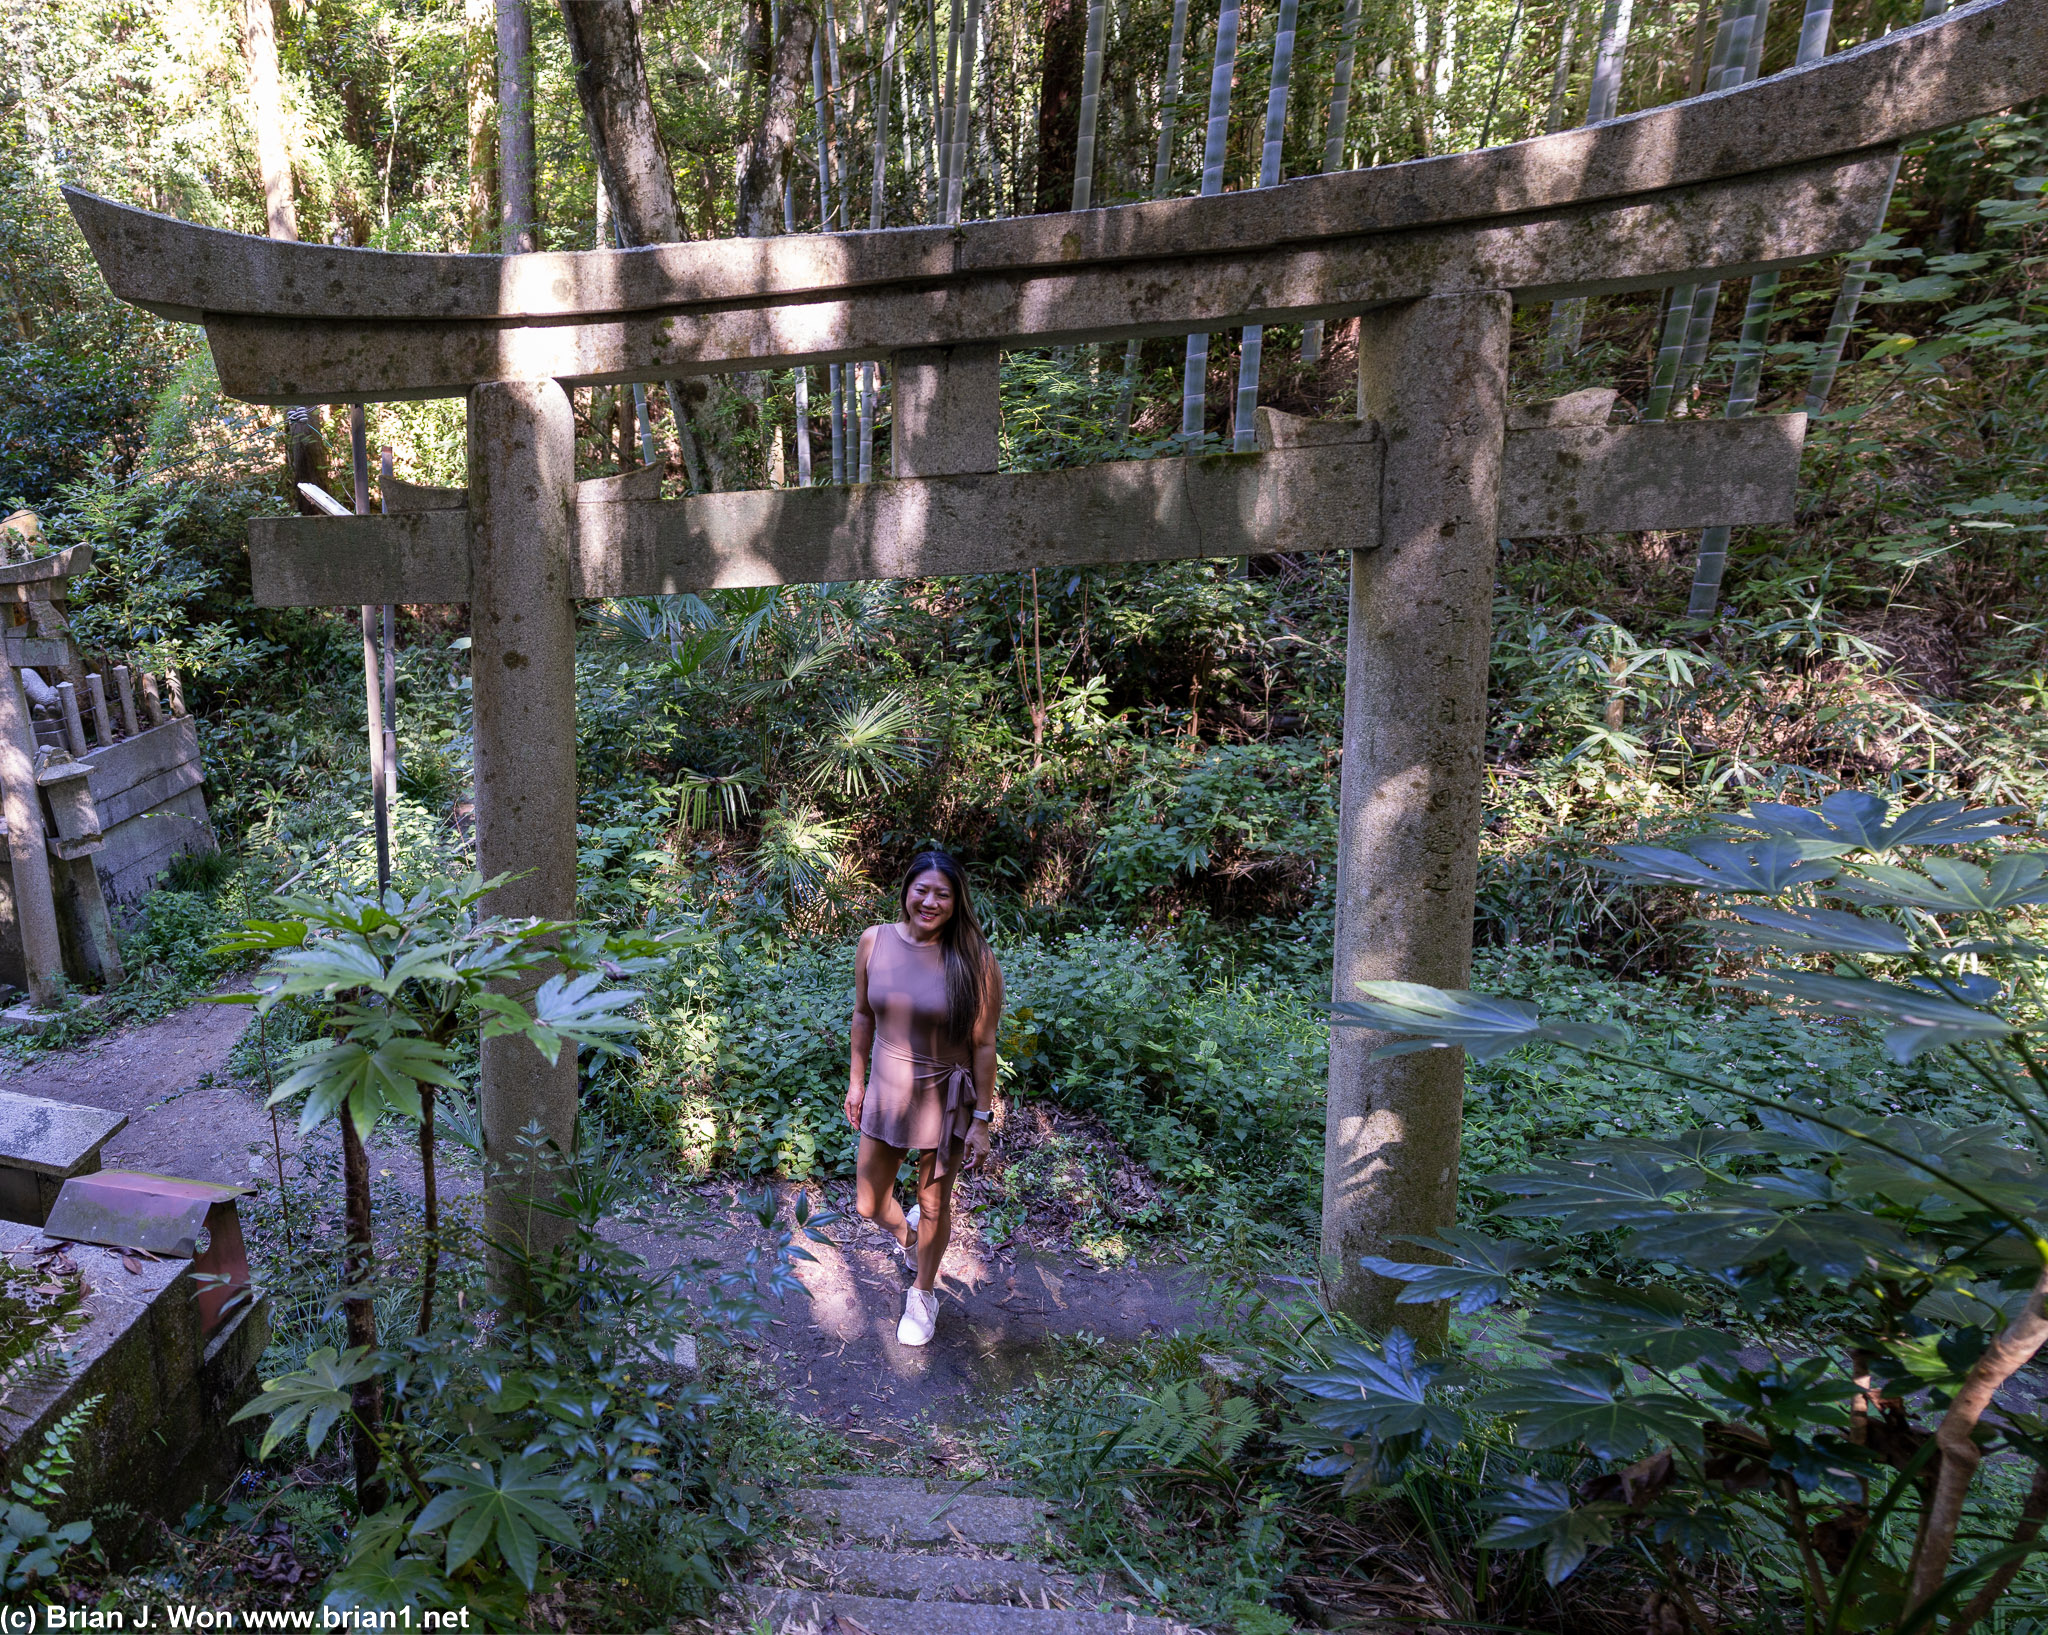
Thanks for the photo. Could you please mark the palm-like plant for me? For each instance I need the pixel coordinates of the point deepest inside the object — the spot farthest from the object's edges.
(800, 850)
(868, 746)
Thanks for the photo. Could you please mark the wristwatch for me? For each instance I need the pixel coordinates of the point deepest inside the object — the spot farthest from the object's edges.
(982, 1118)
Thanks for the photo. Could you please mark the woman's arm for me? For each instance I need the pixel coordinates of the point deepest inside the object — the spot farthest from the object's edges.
(863, 1031)
(986, 1028)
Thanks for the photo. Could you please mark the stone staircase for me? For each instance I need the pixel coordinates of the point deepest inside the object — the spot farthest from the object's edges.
(896, 1555)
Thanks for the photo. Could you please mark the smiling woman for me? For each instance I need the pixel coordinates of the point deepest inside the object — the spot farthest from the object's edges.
(927, 999)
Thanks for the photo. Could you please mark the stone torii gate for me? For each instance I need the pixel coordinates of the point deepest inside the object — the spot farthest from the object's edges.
(1435, 469)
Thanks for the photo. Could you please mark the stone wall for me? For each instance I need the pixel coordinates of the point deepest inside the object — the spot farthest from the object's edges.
(159, 1438)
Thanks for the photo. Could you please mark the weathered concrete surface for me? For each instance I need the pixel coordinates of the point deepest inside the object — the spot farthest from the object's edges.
(1978, 59)
(1124, 511)
(1723, 229)
(1316, 489)
(946, 410)
(522, 484)
(42, 1143)
(902, 1516)
(1434, 374)
(811, 1612)
(924, 1577)
(1595, 479)
(35, 910)
(159, 1436)
(149, 792)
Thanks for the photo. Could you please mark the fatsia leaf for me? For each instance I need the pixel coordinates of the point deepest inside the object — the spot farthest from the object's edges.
(1625, 1190)
(1941, 885)
(512, 1504)
(1434, 1018)
(1854, 820)
(1654, 1323)
(1916, 1021)
(569, 1009)
(1815, 931)
(1480, 1273)
(1700, 1148)
(372, 1081)
(1383, 1393)
(314, 1395)
(1538, 1514)
(1565, 1405)
(1767, 868)
(1824, 1244)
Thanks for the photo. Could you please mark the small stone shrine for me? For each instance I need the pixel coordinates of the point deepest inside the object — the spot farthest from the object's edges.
(100, 781)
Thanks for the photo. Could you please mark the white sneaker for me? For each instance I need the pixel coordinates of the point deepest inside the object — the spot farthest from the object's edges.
(920, 1317)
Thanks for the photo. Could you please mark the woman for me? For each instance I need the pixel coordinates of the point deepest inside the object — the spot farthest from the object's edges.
(927, 996)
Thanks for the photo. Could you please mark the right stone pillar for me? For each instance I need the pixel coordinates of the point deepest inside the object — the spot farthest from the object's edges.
(522, 496)
(1433, 373)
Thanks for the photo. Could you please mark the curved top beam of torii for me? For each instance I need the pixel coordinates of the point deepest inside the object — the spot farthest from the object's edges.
(1767, 175)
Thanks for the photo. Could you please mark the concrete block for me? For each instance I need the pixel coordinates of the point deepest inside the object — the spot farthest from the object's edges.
(159, 1437)
(42, 1144)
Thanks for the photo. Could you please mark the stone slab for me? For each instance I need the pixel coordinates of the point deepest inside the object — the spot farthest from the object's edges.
(1595, 479)
(927, 1577)
(1722, 229)
(1978, 59)
(808, 1612)
(158, 1436)
(56, 1138)
(1306, 495)
(923, 1518)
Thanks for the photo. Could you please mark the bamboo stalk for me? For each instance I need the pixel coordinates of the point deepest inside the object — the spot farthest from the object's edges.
(1568, 318)
(1162, 178)
(1252, 341)
(1333, 139)
(1195, 379)
(1712, 567)
(1091, 102)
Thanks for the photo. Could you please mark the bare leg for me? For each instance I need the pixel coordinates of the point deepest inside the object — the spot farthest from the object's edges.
(935, 1219)
(874, 1188)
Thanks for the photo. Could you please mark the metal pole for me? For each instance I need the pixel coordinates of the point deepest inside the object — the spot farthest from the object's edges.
(390, 658)
(373, 691)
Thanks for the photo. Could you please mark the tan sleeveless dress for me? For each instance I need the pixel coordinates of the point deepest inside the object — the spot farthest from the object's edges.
(920, 1090)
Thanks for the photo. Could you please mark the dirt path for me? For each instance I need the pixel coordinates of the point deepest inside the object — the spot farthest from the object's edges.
(834, 1347)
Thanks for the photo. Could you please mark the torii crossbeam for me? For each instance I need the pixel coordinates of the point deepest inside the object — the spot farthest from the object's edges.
(1418, 488)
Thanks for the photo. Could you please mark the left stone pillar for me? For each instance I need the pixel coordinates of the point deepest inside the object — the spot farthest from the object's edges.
(522, 625)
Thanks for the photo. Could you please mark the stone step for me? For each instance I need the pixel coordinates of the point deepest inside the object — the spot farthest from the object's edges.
(808, 1612)
(921, 1576)
(836, 1482)
(897, 1516)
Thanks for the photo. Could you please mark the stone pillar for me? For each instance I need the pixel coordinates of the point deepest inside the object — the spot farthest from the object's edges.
(102, 717)
(947, 411)
(522, 493)
(35, 909)
(1433, 373)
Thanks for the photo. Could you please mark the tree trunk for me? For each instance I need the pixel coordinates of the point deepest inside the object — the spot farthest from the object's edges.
(366, 1399)
(481, 92)
(516, 160)
(259, 49)
(764, 156)
(1065, 28)
(611, 84)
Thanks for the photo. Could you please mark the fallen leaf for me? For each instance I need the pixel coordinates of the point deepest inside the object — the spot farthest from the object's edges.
(131, 1265)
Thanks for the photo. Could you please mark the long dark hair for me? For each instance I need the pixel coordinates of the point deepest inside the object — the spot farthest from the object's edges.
(960, 941)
